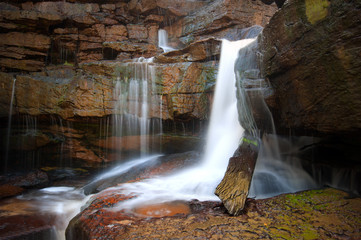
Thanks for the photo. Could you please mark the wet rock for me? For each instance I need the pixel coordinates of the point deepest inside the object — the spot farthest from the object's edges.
(26, 227)
(217, 18)
(155, 167)
(310, 61)
(32, 179)
(8, 190)
(315, 214)
(202, 50)
(31, 40)
(234, 187)
(29, 141)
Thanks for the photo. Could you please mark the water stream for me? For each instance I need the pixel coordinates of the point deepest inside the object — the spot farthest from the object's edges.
(163, 40)
(8, 132)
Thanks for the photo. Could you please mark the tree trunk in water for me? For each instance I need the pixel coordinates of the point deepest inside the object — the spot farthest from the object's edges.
(233, 189)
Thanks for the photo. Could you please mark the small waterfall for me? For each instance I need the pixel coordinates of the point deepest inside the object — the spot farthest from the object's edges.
(136, 100)
(163, 40)
(8, 132)
(273, 174)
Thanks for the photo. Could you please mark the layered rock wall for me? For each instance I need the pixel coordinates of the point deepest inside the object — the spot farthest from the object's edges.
(59, 40)
(311, 57)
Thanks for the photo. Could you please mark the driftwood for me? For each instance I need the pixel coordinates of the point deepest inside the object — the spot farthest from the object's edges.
(233, 189)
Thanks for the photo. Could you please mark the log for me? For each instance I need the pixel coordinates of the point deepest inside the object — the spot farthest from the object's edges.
(234, 187)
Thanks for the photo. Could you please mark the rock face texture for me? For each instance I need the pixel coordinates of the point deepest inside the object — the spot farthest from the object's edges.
(318, 214)
(57, 39)
(311, 58)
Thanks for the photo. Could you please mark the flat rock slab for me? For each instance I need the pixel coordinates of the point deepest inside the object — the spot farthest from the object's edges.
(314, 214)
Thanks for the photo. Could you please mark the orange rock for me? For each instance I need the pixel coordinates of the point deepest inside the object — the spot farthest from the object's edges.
(163, 209)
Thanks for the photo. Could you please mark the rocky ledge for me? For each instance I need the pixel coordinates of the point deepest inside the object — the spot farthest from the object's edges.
(314, 214)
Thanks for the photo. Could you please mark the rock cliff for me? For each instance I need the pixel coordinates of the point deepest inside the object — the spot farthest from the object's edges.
(311, 58)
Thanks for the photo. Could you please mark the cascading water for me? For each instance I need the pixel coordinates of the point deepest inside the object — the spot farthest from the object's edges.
(8, 132)
(135, 95)
(163, 40)
(273, 175)
(223, 137)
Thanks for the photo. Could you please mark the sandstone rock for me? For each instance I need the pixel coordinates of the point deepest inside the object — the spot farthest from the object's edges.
(304, 214)
(311, 62)
(233, 189)
(24, 64)
(137, 31)
(8, 190)
(28, 226)
(31, 16)
(29, 141)
(79, 152)
(31, 40)
(65, 8)
(175, 7)
(116, 33)
(154, 167)
(33, 179)
(6, 88)
(212, 19)
(201, 50)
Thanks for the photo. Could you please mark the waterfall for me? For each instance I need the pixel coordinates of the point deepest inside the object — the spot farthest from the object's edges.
(136, 100)
(163, 40)
(274, 174)
(8, 132)
(223, 137)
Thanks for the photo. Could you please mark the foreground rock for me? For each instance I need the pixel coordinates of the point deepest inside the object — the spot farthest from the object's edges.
(234, 187)
(316, 214)
(311, 61)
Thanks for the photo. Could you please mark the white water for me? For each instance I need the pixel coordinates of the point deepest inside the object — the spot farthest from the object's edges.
(124, 167)
(62, 202)
(163, 40)
(137, 102)
(275, 174)
(224, 134)
(8, 132)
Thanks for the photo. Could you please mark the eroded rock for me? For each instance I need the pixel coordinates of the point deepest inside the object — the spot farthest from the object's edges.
(311, 63)
(315, 214)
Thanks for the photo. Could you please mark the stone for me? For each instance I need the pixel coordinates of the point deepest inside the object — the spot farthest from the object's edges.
(6, 88)
(29, 141)
(154, 167)
(213, 19)
(311, 64)
(234, 187)
(22, 64)
(8, 190)
(303, 214)
(202, 50)
(31, 40)
(33, 179)
(116, 33)
(136, 31)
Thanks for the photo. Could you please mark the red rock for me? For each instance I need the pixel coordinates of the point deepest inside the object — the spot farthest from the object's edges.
(8, 190)
(26, 65)
(32, 40)
(162, 209)
(116, 33)
(137, 31)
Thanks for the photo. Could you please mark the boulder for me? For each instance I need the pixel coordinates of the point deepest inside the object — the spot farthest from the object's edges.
(234, 187)
(315, 214)
(311, 63)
